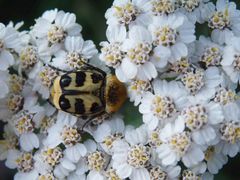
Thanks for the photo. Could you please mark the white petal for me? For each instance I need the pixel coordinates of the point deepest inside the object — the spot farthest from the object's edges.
(129, 69)
(29, 141)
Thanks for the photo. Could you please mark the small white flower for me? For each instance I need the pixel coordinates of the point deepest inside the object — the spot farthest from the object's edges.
(24, 123)
(231, 59)
(137, 89)
(162, 106)
(41, 77)
(24, 162)
(173, 33)
(214, 159)
(229, 132)
(202, 84)
(108, 132)
(208, 52)
(177, 145)
(162, 7)
(201, 119)
(112, 52)
(10, 142)
(196, 10)
(169, 172)
(225, 21)
(9, 41)
(139, 61)
(67, 133)
(131, 155)
(128, 13)
(77, 53)
(51, 31)
(96, 161)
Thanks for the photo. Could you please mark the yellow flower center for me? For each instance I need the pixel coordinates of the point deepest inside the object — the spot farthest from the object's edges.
(56, 34)
(195, 117)
(165, 36)
(126, 14)
(70, 136)
(139, 156)
(28, 57)
(211, 56)
(219, 20)
(25, 162)
(52, 156)
(140, 54)
(180, 143)
(161, 7)
(46, 76)
(96, 161)
(163, 107)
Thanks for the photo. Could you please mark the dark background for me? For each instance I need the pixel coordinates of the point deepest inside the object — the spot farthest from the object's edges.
(90, 14)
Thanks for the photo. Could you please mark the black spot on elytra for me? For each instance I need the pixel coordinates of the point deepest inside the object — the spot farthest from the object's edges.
(113, 96)
(79, 106)
(96, 78)
(65, 81)
(95, 107)
(80, 78)
(64, 103)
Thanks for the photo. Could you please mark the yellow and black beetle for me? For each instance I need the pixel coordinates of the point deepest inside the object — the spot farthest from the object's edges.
(88, 92)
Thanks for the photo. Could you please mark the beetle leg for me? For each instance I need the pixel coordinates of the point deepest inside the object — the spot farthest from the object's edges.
(97, 119)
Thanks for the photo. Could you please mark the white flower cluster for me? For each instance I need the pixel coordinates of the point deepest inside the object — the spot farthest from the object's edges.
(186, 88)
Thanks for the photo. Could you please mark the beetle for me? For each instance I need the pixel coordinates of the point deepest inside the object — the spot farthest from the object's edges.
(88, 92)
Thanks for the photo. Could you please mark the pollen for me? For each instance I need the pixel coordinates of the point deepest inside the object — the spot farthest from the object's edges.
(113, 54)
(193, 80)
(126, 14)
(28, 57)
(16, 83)
(212, 56)
(25, 162)
(140, 86)
(230, 132)
(189, 175)
(52, 156)
(112, 175)
(236, 62)
(209, 153)
(140, 54)
(163, 107)
(75, 60)
(165, 36)
(15, 102)
(47, 75)
(219, 20)
(180, 143)
(70, 136)
(156, 173)
(195, 117)
(10, 141)
(48, 176)
(56, 34)
(162, 7)
(139, 156)
(96, 161)
(225, 96)
(189, 5)
(154, 139)
(23, 122)
(180, 66)
(46, 123)
(108, 141)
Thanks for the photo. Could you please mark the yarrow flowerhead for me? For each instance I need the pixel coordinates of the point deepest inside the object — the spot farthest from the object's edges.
(182, 120)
